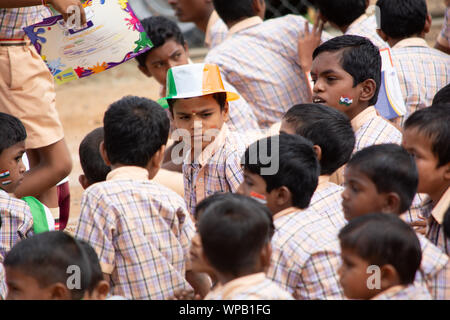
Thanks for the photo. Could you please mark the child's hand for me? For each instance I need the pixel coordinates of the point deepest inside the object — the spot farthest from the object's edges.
(420, 226)
(308, 42)
(185, 295)
(63, 7)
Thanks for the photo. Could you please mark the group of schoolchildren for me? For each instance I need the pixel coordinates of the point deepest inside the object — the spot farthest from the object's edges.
(294, 186)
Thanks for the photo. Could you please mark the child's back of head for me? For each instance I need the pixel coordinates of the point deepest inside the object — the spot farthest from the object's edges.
(49, 265)
(392, 171)
(442, 97)
(401, 19)
(327, 128)
(236, 10)
(284, 161)
(356, 56)
(94, 168)
(135, 130)
(235, 232)
(375, 241)
(341, 13)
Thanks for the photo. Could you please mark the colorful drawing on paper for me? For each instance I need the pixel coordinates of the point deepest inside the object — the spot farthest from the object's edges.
(113, 35)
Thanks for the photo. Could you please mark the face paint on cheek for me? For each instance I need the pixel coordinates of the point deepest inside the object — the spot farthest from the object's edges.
(347, 101)
(4, 174)
(5, 183)
(258, 197)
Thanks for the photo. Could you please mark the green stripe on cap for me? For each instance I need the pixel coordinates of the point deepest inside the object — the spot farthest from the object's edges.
(171, 86)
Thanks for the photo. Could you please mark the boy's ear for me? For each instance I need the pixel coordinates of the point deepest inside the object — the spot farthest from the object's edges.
(283, 196)
(447, 172)
(83, 181)
(391, 203)
(259, 8)
(368, 88)
(158, 157)
(226, 111)
(145, 71)
(104, 154)
(102, 290)
(382, 35)
(59, 291)
(389, 277)
(427, 27)
(186, 48)
(318, 152)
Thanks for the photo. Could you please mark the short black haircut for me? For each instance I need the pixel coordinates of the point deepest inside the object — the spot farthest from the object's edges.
(382, 239)
(433, 123)
(442, 97)
(401, 19)
(47, 256)
(208, 201)
(360, 58)
(326, 127)
(220, 97)
(94, 264)
(234, 10)
(298, 168)
(446, 223)
(135, 129)
(233, 231)
(391, 168)
(12, 131)
(94, 168)
(159, 29)
(342, 12)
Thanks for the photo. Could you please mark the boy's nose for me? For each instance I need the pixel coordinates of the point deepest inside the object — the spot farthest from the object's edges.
(240, 189)
(318, 87)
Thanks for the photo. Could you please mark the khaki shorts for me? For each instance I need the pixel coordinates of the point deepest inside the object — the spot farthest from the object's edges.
(27, 92)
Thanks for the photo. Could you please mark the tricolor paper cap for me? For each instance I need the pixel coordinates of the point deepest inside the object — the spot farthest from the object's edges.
(195, 80)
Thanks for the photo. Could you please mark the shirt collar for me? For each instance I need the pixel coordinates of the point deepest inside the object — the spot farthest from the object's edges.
(391, 291)
(212, 20)
(242, 283)
(441, 207)
(363, 117)
(244, 24)
(286, 212)
(210, 149)
(411, 42)
(128, 173)
(323, 182)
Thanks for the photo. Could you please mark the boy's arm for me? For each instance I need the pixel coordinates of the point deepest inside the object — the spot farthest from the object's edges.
(62, 6)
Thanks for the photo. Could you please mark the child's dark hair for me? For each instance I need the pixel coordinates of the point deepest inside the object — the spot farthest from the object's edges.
(382, 239)
(205, 203)
(401, 19)
(159, 29)
(91, 161)
(234, 10)
(326, 127)
(220, 97)
(360, 58)
(12, 131)
(442, 97)
(446, 223)
(433, 123)
(135, 129)
(47, 256)
(391, 168)
(298, 168)
(343, 12)
(233, 231)
(94, 264)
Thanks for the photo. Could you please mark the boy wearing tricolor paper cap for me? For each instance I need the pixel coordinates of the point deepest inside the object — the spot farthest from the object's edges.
(198, 103)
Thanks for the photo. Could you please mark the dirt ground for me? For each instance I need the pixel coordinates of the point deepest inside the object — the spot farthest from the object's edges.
(82, 103)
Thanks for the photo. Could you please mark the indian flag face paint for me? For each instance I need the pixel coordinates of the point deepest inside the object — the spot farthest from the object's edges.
(4, 174)
(5, 183)
(258, 197)
(345, 101)
(195, 80)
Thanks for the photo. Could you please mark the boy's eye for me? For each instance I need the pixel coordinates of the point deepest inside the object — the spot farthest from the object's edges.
(184, 117)
(330, 79)
(158, 65)
(206, 115)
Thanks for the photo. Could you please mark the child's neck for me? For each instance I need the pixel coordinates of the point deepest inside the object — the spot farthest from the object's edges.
(225, 278)
(202, 24)
(437, 196)
(351, 114)
(392, 42)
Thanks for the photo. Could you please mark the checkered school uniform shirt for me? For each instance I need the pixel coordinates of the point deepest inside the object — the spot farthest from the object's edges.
(216, 31)
(422, 72)
(141, 232)
(305, 255)
(434, 270)
(13, 20)
(366, 26)
(252, 287)
(3, 288)
(17, 222)
(260, 59)
(216, 169)
(435, 215)
(327, 201)
(410, 292)
(444, 36)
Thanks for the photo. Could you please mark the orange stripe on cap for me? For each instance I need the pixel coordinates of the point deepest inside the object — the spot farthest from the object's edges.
(212, 82)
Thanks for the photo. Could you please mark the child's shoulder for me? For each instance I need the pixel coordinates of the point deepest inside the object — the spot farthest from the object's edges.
(12, 204)
(433, 258)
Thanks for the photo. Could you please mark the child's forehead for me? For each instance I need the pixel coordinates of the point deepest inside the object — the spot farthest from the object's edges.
(195, 104)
